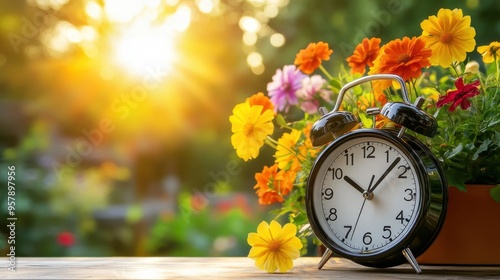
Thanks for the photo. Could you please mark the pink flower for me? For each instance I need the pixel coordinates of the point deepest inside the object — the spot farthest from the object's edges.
(460, 96)
(282, 90)
(312, 89)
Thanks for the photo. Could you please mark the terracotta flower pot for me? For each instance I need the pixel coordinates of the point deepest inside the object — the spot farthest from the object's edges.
(471, 230)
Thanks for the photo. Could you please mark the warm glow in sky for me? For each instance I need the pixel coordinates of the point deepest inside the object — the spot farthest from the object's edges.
(142, 43)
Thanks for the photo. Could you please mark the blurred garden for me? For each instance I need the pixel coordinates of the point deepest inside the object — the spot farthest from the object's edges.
(115, 113)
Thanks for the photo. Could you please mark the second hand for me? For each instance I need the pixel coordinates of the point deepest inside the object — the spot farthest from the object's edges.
(361, 210)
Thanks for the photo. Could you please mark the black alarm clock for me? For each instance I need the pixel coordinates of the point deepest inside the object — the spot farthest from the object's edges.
(376, 196)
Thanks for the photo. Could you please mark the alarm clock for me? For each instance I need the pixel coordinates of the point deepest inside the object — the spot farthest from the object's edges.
(376, 196)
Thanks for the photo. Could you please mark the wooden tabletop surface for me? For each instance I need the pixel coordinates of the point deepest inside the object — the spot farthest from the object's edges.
(223, 268)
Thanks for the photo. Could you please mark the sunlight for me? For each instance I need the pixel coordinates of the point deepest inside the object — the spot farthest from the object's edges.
(144, 45)
(145, 50)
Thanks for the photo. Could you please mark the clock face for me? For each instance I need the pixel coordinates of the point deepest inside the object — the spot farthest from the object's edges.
(366, 194)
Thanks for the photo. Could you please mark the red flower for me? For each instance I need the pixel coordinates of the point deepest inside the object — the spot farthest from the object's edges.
(460, 96)
(65, 238)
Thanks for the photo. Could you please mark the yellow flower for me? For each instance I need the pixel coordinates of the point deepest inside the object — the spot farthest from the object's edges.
(287, 156)
(274, 247)
(472, 67)
(250, 127)
(490, 52)
(449, 36)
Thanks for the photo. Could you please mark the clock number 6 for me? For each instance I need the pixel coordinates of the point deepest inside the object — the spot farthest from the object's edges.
(367, 238)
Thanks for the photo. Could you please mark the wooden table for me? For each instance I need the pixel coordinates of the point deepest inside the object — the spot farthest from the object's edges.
(223, 268)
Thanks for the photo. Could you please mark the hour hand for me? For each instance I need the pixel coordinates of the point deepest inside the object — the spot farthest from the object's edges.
(354, 184)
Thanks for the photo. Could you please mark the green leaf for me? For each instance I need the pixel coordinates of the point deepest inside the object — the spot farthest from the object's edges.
(280, 120)
(456, 180)
(483, 147)
(495, 193)
(455, 151)
(334, 83)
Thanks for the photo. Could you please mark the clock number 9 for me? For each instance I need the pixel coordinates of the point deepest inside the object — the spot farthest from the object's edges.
(328, 194)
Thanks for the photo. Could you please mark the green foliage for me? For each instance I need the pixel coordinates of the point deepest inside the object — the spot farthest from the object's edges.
(468, 141)
(210, 231)
(47, 205)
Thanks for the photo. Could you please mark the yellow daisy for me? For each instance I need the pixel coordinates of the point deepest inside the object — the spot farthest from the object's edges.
(250, 127)
(274, 247)
(490, 52)
(449, 36)
(287, 157)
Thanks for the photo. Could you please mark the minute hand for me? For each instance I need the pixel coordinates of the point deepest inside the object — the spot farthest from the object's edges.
(393, 164)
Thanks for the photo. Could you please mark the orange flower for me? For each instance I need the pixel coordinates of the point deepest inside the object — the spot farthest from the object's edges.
(404, 58)
(273, 184)
(310, 58)
(364, 55)
(261, 99)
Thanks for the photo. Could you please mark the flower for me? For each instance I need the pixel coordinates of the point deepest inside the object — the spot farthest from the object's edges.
(274, 247)
(284, 86)
(490, 52)
(460, 96)
(287, 154)
(250, 126)
(404, 58)
(449, 36)
(273, 184)
(310, 58)
(364, 55)
(312, 88)
(260, 99)
(65, 239)
(464, 100)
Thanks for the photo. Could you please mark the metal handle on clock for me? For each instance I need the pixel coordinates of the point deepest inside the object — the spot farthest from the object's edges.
(365, 79)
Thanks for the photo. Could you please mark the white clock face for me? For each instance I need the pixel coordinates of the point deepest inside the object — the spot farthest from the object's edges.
(366, 195)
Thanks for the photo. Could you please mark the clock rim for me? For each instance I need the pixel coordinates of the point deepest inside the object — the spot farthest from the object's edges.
(424, 227)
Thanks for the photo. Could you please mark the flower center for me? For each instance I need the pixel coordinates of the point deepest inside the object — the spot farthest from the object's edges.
(248, 129)
(403, 58)
(446, 38)
(287, 87)
(274, 245)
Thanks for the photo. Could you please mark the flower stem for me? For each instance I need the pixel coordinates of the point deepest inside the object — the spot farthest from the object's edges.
(271, 142)
(330, 77)
(454, 66)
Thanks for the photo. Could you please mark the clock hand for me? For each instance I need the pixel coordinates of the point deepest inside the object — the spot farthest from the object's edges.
(393, 164)
(361, 210)
(354, 184)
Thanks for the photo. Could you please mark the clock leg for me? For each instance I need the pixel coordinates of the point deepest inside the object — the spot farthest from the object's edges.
(326, 256)
(411, 259)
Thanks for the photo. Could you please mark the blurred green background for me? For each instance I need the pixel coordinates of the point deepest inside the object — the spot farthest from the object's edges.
(115, 112)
